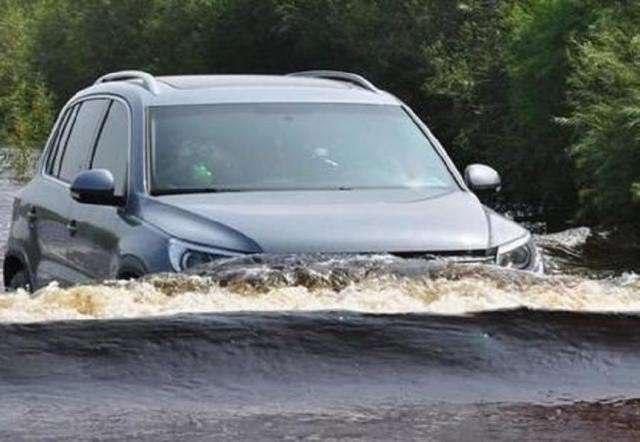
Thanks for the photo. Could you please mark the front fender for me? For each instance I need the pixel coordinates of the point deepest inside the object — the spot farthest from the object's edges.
(143, 249)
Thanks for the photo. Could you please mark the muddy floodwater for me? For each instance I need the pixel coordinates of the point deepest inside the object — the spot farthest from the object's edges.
(326, 347)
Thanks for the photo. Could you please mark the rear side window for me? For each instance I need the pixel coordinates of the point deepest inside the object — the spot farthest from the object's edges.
(112, 148)
(75, 156)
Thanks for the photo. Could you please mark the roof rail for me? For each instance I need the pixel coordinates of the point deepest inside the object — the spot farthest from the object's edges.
(148, 81)
(348, 77)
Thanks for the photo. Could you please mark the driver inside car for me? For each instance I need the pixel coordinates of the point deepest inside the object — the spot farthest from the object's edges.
(196, 164)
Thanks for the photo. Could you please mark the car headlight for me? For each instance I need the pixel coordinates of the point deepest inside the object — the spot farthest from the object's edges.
(520, 254)
(184, 256)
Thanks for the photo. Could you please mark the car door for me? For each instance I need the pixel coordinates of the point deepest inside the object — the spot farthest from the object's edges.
(55, 226)
(95, 246)
(45, 201)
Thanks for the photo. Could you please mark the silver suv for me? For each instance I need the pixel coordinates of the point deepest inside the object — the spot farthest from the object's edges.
(147, 174)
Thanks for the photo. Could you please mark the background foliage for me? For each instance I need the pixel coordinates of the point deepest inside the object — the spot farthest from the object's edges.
(547, 91)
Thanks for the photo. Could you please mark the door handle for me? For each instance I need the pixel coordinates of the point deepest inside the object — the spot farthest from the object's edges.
(72, 227)
(32, 215)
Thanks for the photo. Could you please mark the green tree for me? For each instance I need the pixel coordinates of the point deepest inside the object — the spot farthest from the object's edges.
(604, 91)
(490, 77)
(539, 35)
(25, 103)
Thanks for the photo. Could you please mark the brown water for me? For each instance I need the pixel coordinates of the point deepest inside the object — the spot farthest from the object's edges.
(372, 348)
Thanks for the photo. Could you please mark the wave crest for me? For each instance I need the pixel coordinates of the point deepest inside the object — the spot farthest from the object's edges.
(380, 285)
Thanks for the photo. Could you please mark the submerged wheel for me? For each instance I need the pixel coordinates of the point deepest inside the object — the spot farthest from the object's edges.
(19, 281)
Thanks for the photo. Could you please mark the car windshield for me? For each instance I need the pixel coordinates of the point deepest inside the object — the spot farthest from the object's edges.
(290, 147)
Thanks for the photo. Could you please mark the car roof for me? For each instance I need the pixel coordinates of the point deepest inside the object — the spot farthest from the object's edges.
(311, 87)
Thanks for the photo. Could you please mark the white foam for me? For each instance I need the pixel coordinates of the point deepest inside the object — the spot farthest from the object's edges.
(571, 238)
(389, 295)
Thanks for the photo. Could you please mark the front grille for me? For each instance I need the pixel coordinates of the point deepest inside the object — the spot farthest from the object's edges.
(466, 256)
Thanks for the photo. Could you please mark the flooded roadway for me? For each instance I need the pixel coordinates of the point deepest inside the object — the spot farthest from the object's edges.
(319, 348)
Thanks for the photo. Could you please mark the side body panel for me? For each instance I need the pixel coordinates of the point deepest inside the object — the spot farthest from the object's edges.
(40, 232)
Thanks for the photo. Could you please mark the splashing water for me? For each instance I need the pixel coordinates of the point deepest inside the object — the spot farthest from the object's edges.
(382, 285)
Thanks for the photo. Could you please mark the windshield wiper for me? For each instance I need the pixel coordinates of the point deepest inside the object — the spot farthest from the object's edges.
(201, 190)
(246, 189)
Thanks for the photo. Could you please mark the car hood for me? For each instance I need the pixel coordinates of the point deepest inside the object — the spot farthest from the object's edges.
(403, 220)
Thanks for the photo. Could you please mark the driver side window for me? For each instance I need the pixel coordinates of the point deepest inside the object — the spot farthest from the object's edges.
(112, 148)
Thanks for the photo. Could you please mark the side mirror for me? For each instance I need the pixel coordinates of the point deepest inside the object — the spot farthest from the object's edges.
(482, 178)
(95, 186)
